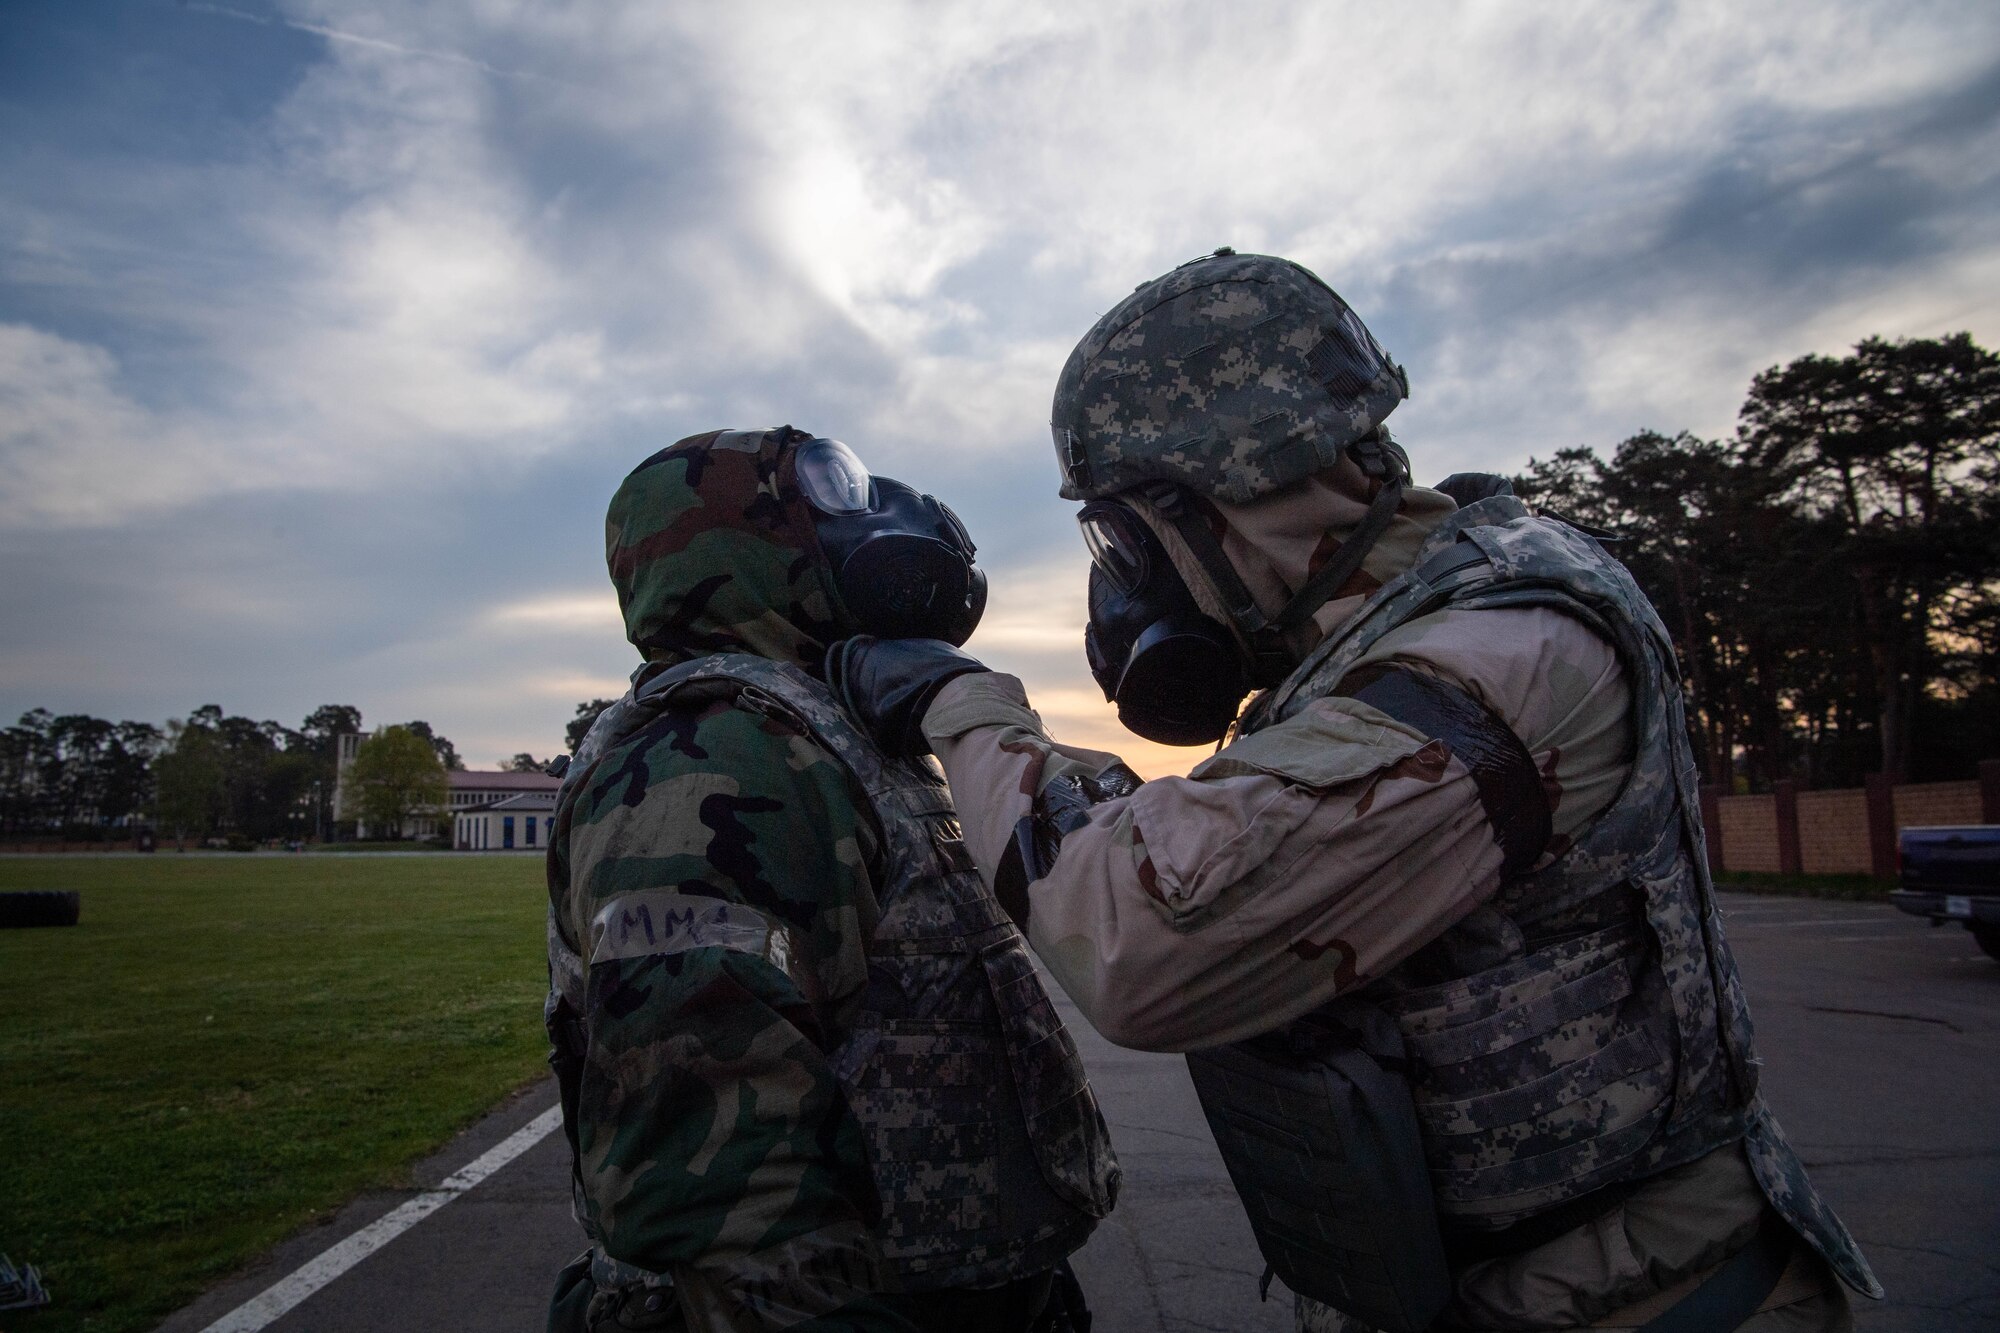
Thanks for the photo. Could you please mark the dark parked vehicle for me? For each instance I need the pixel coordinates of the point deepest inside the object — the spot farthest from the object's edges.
(1952, 874)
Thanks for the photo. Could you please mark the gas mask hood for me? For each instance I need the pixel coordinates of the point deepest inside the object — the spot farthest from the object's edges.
(902, 561)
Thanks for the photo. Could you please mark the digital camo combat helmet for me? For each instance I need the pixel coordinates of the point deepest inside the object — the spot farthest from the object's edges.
(1234, 375)
(1229, 378)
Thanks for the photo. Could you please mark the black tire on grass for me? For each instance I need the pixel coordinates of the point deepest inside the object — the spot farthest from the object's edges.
(40, 908)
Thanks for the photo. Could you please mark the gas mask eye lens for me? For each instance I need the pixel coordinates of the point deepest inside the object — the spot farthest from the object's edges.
(833, 479)
(1114, 547)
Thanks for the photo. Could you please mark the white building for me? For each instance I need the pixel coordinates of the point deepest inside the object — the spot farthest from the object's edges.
(475, 787)
(522, 822)
(469, 789)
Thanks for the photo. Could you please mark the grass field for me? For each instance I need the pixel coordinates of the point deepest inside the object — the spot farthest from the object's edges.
(226, 1047)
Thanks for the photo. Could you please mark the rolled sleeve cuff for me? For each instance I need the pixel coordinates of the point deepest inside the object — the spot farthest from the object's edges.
(979, 699)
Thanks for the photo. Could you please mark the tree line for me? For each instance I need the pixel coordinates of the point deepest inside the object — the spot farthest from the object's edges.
(203, 776)
(1830, 573)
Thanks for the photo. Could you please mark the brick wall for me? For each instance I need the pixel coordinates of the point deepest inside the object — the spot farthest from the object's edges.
(1833, 832)
(1923, 803)
(1851, 831)
(1749, 833)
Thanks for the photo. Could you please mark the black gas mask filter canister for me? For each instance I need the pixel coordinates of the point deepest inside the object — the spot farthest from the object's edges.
(902, 561)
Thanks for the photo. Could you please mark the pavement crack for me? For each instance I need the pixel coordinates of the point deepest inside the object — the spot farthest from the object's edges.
(1883, 1013)
(1142, 1260)
(1224, 1269)
(1202, 1139)
(1932, 1250)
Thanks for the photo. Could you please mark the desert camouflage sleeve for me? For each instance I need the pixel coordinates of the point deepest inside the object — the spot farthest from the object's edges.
(714, 872)
(1298, 862)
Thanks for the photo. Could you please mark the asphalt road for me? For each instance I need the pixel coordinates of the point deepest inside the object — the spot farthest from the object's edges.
(1881, 1042)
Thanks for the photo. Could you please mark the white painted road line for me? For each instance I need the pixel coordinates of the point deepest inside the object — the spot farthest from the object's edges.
(1787, 905)
(1807, 921)
(280, 1297)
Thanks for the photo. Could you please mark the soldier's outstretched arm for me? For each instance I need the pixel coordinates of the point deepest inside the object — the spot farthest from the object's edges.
(714, 877)
(1300, 861)
(1185, 912)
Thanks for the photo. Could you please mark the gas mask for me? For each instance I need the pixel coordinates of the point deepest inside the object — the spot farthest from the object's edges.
(902, 561)
(1176, 674)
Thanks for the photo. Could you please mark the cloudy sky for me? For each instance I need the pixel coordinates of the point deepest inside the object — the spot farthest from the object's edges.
(327, 328)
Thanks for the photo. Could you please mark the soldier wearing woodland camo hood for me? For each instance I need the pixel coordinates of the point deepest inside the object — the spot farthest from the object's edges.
(1435, 922)
(808, 1075)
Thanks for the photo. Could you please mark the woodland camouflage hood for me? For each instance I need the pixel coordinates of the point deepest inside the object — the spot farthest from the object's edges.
(712, 549)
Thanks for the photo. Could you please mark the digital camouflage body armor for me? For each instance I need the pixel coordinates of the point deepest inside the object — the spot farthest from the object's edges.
(988, 1151)
(1584, 1028)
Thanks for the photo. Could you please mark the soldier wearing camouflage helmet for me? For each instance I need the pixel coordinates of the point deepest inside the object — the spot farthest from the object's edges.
(1435, 923)
(808, 1075)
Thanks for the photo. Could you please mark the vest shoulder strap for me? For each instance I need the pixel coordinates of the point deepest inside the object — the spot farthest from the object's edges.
(770, 687)
(1417, 592)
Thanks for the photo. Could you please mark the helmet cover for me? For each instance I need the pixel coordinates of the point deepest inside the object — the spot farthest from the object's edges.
(1234, 375)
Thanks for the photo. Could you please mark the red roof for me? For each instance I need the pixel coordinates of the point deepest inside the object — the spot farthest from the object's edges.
(474, 779)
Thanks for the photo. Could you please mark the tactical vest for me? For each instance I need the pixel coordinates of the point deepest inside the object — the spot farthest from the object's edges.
(1585, 1028)
(988, 1151)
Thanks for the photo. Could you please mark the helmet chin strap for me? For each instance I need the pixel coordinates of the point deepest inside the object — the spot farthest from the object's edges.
(1271, 655)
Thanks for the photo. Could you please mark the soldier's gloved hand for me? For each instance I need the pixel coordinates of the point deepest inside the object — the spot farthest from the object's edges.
(889, 684)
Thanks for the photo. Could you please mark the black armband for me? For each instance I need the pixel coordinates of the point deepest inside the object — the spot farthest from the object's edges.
(1503, 772)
